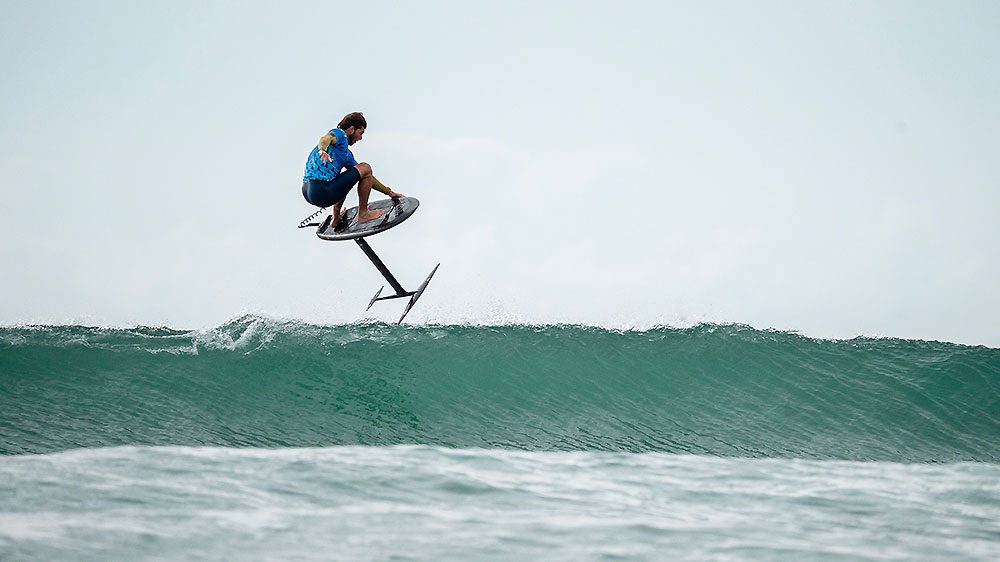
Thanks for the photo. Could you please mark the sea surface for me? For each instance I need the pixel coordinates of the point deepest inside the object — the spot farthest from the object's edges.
(265, 439)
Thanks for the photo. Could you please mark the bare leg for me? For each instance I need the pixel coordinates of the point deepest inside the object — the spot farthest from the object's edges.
(337, 214)
(364, 190)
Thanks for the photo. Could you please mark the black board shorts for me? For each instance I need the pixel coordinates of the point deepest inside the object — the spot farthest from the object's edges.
(324, 193)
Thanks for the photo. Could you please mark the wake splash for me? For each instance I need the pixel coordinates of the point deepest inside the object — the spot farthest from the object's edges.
(724, 390)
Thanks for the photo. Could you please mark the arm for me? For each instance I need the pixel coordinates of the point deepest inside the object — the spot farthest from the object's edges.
(324, 143)
(381, 187)
(326, 140)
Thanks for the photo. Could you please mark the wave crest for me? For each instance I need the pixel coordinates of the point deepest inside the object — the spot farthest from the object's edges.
(727, 390)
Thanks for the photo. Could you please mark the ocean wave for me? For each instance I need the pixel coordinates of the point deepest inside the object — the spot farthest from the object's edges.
(726, 390)
(433, 503)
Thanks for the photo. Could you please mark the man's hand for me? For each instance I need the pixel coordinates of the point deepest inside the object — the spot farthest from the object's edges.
(396, 195)
(325, 156)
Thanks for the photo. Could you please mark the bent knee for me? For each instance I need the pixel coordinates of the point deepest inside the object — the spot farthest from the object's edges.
(365, 169)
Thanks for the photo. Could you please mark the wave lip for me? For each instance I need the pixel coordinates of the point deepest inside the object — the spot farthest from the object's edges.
(724, 390)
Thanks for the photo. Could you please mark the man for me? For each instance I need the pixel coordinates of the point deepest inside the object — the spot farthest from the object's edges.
(332, 171)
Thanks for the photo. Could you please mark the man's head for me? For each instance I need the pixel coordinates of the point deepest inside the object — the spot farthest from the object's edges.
(354, 125)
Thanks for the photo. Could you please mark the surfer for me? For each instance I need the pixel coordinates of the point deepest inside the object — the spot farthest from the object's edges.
(332, 171)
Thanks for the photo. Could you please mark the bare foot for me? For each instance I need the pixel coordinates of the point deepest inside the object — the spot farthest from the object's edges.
(369, 215)
(335, 218)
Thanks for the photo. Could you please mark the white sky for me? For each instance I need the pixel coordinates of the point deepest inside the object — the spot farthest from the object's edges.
(825, 167)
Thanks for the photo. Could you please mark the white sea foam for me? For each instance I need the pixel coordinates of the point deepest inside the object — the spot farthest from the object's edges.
(428, 503)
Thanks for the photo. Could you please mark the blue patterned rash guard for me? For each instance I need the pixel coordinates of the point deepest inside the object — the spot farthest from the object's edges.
(317, 169)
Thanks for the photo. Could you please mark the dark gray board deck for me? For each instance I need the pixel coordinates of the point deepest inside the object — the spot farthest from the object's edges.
(397, 211)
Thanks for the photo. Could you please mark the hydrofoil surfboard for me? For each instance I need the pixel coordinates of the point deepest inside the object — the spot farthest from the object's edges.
(396, 211)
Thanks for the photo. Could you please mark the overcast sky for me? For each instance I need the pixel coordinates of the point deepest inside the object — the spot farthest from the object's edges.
(824, 167)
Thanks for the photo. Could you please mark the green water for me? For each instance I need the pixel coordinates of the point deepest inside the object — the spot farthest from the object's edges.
(712, 390)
